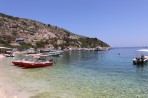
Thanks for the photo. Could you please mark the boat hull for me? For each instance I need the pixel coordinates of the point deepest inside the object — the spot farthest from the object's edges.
(36, 64)
(9, 55)
(18, 63)
(139, 61)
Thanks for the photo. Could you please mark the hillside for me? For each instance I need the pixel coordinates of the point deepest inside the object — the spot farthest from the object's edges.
(37, 34)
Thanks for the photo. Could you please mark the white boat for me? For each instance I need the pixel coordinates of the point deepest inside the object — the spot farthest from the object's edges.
(9, 54)
(54, 54)
(140, 60)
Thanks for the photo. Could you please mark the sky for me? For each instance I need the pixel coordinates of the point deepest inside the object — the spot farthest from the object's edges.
(120, 23)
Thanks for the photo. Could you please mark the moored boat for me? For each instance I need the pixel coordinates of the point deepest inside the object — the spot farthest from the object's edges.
(37, 60)
(53, 54)
(140, 60)
(9, 55)
(36, 64)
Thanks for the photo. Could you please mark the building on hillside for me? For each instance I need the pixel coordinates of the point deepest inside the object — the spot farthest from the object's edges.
(19, 40)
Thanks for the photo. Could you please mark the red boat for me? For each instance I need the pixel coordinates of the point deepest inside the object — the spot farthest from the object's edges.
(36, 64)
(18, 62)
(36, 60)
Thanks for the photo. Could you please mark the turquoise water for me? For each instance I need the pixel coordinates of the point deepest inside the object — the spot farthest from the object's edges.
(83, 74)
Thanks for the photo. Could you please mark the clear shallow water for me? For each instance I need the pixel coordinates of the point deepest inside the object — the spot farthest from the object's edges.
(83, 74)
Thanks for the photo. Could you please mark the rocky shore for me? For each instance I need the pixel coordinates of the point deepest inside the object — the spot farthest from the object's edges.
(90, 49)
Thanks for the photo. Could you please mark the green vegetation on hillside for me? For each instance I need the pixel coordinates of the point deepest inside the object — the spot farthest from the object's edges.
(41, 44)
(5, 43)
(39, 35)
(89, 42)
(24, 45)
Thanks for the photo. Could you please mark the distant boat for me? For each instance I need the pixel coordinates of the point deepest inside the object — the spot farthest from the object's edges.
(9, 54)
(31, 51)
(54, 54)
(57, 51)
(6, 52)
(141, 60)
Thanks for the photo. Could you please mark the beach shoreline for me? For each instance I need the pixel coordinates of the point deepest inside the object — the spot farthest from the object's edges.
(4, 93)
(10, 92)
(8, 89)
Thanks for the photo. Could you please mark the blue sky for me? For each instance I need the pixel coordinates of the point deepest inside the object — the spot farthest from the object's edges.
(120, 23)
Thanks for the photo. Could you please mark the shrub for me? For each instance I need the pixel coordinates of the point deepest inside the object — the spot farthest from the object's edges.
(6, 44)
(49, 25)
(1, 25)
(40, 44)
(25, 45)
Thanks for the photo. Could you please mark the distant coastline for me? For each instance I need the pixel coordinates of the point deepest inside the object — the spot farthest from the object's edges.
(130, 47)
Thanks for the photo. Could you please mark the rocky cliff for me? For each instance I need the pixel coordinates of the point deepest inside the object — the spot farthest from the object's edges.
(37, 34)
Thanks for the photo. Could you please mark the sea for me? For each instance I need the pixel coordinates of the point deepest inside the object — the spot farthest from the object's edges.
(81, 74)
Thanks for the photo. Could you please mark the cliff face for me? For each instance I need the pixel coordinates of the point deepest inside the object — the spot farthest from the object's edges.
(35, 33)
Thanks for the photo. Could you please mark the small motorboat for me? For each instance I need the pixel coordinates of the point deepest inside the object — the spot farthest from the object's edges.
(36, 64)
(54, 54)
(140, 60)
(9, 54)
(36, 61)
